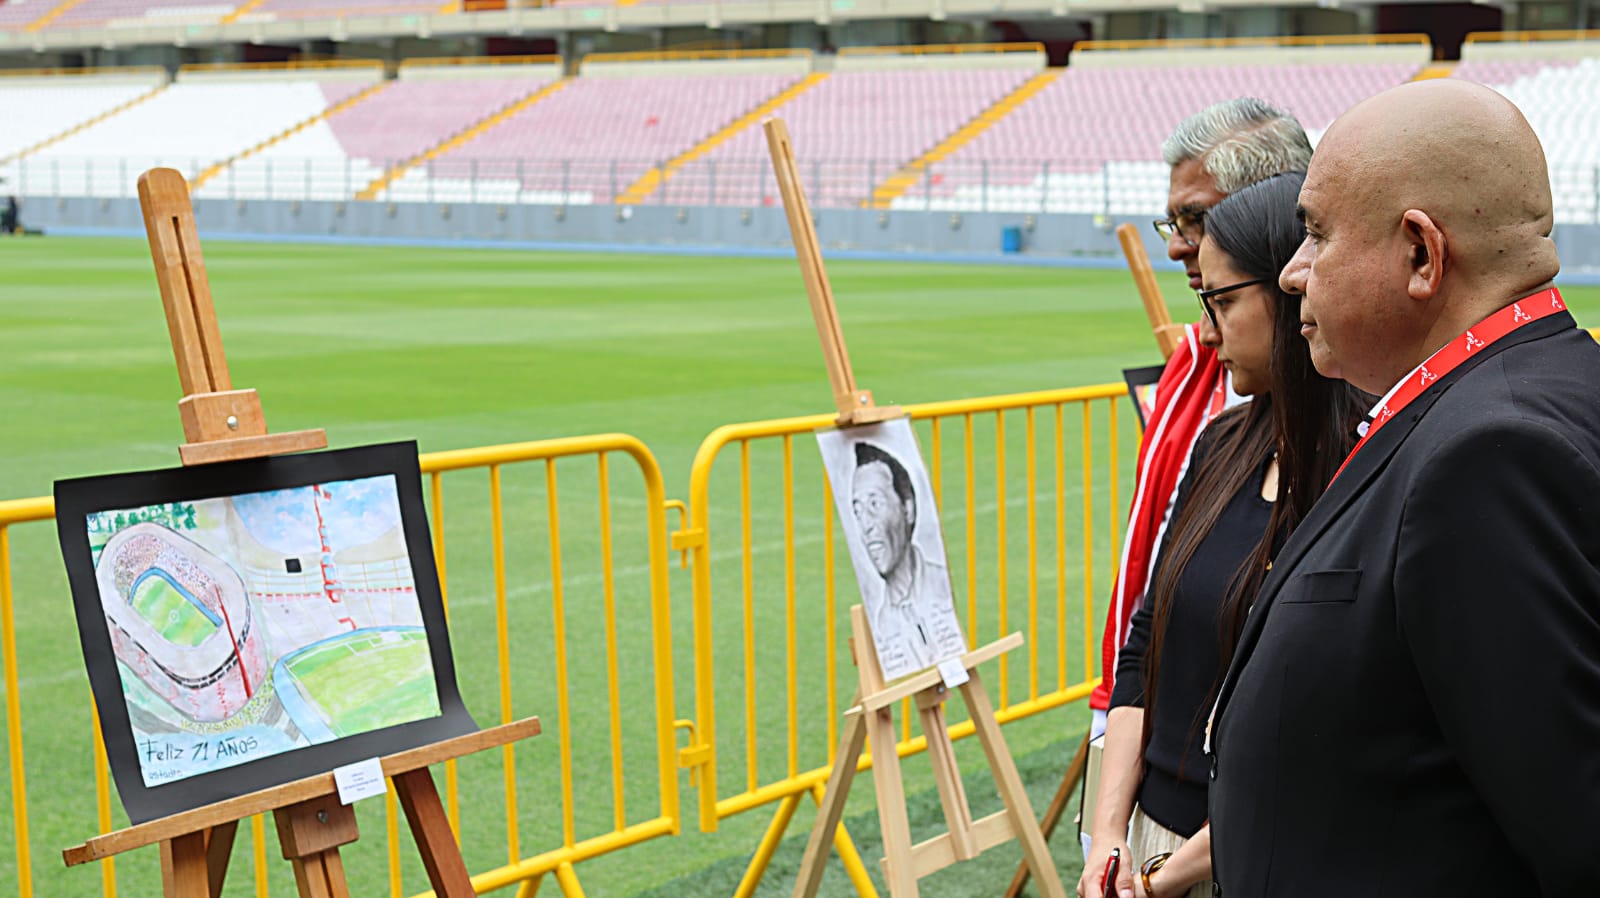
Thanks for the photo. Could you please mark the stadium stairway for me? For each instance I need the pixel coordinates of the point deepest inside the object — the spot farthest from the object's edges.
(217, 168)
(371, 191)
(55, 13)
(87, 123)
(898, 183)
(655, 177)
(1435, 70)
(240, 11)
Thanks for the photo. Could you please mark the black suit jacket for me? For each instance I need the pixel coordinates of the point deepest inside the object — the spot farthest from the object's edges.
(1414, 708)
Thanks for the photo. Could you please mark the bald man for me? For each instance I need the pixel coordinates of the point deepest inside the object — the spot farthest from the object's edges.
(1414, 708)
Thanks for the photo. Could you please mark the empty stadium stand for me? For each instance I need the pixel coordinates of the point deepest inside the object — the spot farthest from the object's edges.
(1061, 152)
(38, 108)
(1558, 97)
(939, 131)
(591, 140)
(341, 155)
(198, 123)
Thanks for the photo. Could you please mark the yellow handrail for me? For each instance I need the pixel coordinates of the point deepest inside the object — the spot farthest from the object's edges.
(1310, 40)
(441, 61)
(693, 55)
(84, 72)
(942, 49)
(1501, 37)
(292, 65)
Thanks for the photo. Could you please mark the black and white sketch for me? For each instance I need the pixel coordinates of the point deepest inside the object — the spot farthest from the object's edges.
(891, 526)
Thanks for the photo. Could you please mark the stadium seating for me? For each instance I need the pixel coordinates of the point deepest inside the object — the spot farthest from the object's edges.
(850, 132)
(1091, 141)
(105, 158)
(337, 157)
(36, 109)
(1088, 141)
(91, 13)
(590, 140)
(1558, 98)
(331, 9)
(15, 16)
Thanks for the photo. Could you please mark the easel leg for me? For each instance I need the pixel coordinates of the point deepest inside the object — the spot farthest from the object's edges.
(530, 887)
(321, 875)
(1056, 810)
(1034, 849)
(183, 866)
(848, 855)
(946, 774)
(219, 848)
(831, 808)
(892, 807)
(436, 842)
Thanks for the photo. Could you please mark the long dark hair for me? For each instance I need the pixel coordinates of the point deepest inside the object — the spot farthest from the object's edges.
(1306, 418)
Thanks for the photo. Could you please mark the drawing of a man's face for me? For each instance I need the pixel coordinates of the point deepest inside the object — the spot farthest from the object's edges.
(884, 507)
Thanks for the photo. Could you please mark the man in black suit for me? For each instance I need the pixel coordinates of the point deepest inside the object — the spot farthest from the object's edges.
(1414, 708)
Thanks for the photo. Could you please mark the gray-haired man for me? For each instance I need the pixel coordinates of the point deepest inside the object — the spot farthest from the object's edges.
(1215, 152)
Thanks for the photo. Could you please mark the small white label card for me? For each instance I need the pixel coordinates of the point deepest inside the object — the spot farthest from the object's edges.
(953, 671)
(363, 779)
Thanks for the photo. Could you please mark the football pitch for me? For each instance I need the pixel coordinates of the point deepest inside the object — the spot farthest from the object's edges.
(461, 348)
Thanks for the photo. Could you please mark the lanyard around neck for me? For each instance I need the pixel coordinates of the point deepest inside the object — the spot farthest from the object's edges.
(1450, 356)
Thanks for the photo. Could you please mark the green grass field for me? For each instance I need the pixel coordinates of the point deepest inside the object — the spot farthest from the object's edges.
(458, 348)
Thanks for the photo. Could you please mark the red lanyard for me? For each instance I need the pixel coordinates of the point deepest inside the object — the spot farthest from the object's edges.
(1525, 311)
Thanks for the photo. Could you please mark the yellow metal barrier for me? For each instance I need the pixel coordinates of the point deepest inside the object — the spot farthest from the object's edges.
(760, 547)
(598, 733)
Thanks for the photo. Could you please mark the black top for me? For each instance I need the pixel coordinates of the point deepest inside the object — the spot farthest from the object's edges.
(1173, 791)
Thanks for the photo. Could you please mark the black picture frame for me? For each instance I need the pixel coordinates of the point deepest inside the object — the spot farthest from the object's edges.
(77, 499)
(1141, 379)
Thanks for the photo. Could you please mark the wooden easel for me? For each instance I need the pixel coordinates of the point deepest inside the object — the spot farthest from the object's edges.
(1168, 335)
(222, 424)
(873, 711)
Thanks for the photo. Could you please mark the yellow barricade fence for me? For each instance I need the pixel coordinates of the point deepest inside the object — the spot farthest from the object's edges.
(535, 630)
(548, 582)
(1032, 455)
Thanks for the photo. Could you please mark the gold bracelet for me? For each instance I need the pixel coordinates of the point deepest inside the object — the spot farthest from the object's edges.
(1148, 869)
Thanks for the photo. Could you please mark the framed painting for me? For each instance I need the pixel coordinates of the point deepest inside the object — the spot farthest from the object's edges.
(891, 525)
(250, 623)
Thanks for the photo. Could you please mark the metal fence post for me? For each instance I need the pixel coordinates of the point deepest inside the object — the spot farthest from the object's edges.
(1044, 188)
(1105, 189)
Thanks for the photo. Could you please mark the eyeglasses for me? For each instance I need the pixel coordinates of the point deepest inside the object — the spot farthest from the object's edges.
(1190, 226)
(1205, 296)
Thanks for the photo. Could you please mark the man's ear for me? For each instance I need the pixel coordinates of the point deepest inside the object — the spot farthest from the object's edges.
(910, 507)
(1425, 254)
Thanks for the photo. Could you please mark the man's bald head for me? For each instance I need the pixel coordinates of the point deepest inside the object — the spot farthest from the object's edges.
(1464, 155)
(1433, 201)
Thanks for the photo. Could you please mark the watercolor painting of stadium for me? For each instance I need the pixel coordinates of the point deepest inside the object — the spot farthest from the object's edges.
(251, 625)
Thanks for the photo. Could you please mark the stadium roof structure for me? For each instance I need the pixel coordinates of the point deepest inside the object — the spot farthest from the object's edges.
(235, 22)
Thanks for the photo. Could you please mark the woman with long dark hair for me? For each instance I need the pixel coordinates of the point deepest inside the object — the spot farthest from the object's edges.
(1254, 474)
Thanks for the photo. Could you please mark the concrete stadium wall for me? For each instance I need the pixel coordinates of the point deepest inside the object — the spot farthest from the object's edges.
(1086, 239)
